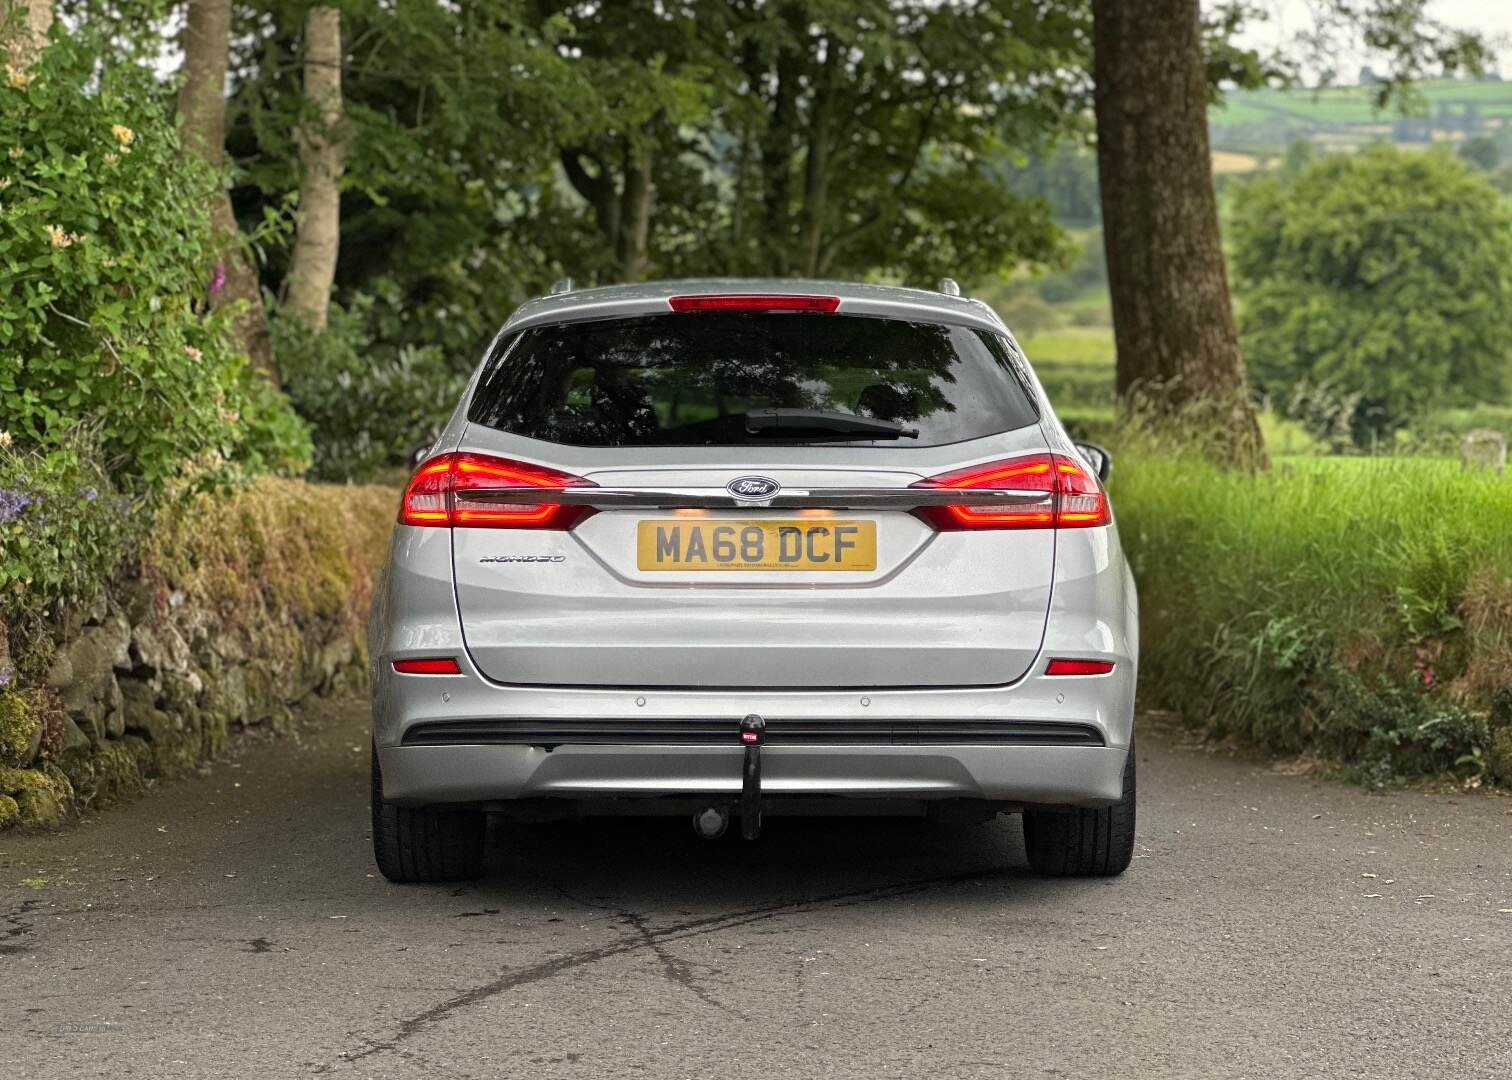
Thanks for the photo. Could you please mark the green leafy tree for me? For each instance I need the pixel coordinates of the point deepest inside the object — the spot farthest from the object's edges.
(866, 128)
(450, 202)
(1482, 151)
(1384, 276)
(815, 137)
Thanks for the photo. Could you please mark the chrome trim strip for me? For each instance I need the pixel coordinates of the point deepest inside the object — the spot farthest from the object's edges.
(788, 498)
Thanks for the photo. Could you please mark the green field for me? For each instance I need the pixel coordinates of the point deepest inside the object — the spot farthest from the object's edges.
(1444, 110)
(1355, 104)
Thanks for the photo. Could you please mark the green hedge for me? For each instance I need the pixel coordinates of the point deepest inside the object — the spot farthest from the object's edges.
(1355, 608)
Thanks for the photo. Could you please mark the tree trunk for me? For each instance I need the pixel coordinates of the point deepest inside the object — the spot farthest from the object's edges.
(25, 26)
(777, 162)
(816, 165)
(1178, 350)
(597, 189)
(622, 209)
(202, 127)
(635, 215)
(322, 154)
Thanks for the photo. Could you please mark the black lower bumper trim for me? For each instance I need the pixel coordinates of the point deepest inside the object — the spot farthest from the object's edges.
(717, 732)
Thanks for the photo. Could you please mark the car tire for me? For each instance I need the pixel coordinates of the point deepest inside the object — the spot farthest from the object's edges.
(1072, 842)
(425, 843)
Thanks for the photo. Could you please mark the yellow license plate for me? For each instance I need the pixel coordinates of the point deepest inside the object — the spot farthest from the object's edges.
(688, 544)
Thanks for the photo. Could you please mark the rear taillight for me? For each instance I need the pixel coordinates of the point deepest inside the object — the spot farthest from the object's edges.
(1076, 500)
(455, 491)
(753, 302)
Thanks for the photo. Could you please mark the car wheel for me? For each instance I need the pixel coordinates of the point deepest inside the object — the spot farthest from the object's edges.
(1083, 843)
(425, 843)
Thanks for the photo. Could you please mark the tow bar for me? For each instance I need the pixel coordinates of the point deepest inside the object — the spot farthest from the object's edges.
(711, 821)
(752, 731)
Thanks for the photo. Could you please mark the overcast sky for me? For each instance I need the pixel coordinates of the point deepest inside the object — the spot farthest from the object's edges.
(1491, 17)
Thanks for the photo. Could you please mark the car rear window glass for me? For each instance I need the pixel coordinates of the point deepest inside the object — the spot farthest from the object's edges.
(720, 379)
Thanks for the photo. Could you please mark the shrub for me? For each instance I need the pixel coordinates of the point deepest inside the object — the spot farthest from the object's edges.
(106, 261)
(1360, 608)
(369, 405)
(63, 528)
(1383, 277)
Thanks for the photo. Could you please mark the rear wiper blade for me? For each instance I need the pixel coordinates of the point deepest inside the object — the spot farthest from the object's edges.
(796, 423)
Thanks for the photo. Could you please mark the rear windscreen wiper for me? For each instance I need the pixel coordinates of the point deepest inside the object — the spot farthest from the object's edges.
(798, 423)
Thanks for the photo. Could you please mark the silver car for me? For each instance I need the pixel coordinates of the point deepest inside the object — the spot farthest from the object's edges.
(727, 549)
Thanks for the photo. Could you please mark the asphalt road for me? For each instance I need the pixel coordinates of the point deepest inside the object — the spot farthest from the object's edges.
(232, 924)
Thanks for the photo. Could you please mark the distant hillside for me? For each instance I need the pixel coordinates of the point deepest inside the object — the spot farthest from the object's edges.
(1267, 121)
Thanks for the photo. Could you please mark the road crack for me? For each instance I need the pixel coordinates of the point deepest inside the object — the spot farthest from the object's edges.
(643, 937)
(677, 970)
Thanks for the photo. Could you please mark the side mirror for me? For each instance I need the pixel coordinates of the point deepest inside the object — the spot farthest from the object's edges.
(1097, 457)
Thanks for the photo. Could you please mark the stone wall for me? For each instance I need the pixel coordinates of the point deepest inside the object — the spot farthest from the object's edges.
(240, 609)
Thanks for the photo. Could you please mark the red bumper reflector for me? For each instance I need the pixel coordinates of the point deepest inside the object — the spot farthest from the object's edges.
(429, 665)
(1079, 667)
(753, 302)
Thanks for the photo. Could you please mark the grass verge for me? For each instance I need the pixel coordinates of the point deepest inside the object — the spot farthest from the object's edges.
(1357, 608)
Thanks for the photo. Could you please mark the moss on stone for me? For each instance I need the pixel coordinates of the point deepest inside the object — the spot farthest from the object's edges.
(104, 773)
(42, 796)
(1501, 756)
(214, 733)
(19, 724)
(265, 586)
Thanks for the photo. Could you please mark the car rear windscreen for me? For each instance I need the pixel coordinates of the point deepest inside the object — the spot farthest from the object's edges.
(722, 379)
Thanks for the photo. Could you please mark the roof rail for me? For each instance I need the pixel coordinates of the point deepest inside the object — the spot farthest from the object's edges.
(948, 286)
(560, 286)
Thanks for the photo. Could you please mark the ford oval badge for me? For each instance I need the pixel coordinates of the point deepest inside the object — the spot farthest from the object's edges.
(753, 488)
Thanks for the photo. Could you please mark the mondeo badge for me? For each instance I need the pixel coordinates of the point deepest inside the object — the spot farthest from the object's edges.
(753, 488)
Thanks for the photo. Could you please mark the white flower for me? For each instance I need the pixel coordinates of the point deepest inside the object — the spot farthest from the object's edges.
(5, 440)
(192, 353)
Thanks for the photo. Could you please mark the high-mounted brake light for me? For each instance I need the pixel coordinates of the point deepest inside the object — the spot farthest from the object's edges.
(753, 302)
(1076, 501)
(461, 491)
(428, 665)
(1079, 667)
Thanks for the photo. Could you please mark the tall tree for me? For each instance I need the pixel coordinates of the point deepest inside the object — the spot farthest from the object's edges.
(897, 103)
(23, 29)
(1178, 349)
(202, 128)
(654, 78)
(322, 153)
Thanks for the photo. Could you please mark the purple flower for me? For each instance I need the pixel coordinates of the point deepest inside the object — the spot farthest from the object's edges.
(12, 502)
(90, 494)
(218, 278)
(5, 674)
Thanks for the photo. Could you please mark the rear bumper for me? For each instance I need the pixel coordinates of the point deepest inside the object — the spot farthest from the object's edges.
(1075, 775)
